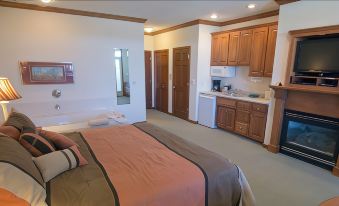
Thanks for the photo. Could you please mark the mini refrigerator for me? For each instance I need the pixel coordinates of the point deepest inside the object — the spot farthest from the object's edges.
(206, 111)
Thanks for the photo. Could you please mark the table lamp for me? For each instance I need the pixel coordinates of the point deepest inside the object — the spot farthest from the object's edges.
(7, 93)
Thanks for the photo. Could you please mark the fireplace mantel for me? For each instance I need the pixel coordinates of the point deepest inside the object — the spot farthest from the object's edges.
(302, 100)
(309, 89)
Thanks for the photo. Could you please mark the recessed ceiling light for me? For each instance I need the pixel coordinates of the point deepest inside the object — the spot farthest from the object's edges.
(214, 16)
(251, 6)
(46, 1)
(148, 29)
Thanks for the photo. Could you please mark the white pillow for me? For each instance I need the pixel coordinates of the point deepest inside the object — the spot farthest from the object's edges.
(55, 163)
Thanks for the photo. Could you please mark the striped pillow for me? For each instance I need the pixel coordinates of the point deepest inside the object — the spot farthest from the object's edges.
(36, 143)
(19, 174)
(55, 163)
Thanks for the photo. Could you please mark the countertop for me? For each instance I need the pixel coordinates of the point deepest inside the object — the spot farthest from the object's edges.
(243, 98)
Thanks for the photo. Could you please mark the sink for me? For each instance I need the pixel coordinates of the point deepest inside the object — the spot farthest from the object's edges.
(234, 94)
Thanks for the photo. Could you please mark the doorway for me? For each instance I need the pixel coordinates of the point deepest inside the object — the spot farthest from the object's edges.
(181, 81)
(161, 80)
(148, 78)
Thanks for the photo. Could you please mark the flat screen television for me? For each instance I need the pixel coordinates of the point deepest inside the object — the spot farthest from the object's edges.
(317, 55)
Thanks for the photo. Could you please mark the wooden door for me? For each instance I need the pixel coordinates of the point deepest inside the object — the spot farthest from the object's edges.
(181, 79)
(271, 42)
(223, 49)
(161, 79)
(257, 126)
(244, 51)
(233, 48)
(148, 78)
(215, 50)
(258, 51)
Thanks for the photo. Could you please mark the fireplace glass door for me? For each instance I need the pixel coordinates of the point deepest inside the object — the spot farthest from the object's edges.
(310, 137)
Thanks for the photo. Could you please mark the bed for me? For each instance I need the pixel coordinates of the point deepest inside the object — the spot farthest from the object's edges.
(142, 164)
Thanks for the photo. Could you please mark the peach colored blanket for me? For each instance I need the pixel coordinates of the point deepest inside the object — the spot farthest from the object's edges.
(144, 171)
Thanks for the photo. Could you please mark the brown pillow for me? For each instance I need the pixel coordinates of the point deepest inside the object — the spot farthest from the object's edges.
(10, 131)
(19, 120)
(60, 141)
(36, 144)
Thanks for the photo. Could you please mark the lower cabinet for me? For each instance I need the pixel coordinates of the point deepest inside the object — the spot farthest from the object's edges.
(257, 126)
(225, 117)
(245, 118)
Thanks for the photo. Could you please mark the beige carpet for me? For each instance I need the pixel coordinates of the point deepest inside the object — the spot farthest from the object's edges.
(276, 179)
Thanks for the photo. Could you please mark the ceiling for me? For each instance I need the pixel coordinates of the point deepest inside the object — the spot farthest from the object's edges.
(163, 14)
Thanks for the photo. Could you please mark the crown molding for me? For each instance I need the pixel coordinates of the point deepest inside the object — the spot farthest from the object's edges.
(69, 11)
(215, 23)
(282, 2)
(250, 18)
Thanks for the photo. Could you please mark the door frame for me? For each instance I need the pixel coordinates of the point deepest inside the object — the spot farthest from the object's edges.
(156, 77)
(151, 82)
(189, 79)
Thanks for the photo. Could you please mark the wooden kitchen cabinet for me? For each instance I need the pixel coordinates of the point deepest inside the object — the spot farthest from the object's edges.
(245, 43)
(225, 117)
(219, 49)
(257, 126)
(270, 51)
(221, 116)
(224, 39)
(233, 48)
(230, 116)
(215, 50)
(251, 46)
(242, 117)
(258, 51)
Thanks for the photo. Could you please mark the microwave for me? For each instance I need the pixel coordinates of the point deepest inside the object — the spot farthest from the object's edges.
(222, 71)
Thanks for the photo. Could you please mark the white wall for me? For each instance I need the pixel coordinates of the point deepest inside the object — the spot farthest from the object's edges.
(182, 37)
(204, 61)
(88, 43)
(294, 16)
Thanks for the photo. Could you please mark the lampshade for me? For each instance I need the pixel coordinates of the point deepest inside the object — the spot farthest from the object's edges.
(7, 92)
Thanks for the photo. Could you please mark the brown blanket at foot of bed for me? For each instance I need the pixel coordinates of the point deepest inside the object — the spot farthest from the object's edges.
(221, 176)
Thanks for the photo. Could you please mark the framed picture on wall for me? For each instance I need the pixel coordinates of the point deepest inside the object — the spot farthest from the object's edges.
(46, 73)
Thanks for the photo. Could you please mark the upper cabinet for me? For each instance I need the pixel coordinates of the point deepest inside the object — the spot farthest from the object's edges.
(258, 51)
(245, 43)
(219, 49)
(253, 47)
(271, 41)
(233, 48)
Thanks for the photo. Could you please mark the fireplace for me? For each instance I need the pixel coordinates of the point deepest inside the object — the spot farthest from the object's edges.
(311, 138)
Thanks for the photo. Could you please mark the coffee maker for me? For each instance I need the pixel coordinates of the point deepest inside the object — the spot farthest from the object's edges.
(216, 85)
